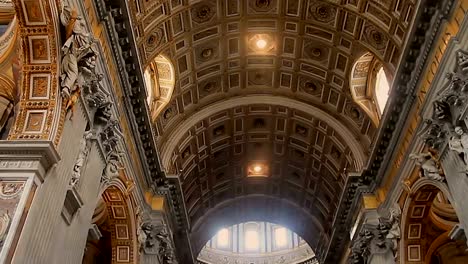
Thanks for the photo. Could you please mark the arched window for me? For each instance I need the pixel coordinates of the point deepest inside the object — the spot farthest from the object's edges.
(382, 89)
(256, 242)
(159, 80)
(281, 237)
(222, 238)
(370, 86)
(251, 237)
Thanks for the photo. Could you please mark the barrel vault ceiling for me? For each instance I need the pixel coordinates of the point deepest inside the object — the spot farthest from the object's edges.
(287, 105)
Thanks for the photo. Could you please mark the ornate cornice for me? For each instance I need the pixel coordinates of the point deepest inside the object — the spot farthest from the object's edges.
(37, 156)
(114, 15)
(414, 60)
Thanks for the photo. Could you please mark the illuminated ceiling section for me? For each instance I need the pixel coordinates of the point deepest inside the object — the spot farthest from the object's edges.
(289, 56)
(257, 243)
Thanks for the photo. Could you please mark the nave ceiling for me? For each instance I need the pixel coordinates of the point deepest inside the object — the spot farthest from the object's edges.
(308, 56)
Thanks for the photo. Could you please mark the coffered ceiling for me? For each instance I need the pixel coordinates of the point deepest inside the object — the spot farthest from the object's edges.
(285, 102)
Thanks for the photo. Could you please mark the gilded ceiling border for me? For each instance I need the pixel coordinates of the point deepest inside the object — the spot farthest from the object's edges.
(39, 114)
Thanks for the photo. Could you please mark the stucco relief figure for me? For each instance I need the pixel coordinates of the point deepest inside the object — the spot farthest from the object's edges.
(360, 251)
(110, 136)
(394, 233)
(156, 240)
(82, 155)
(94, 94)
(79, 46)
(458, 142)
(428, 165)
(111, 170)
(10, 190)
(4, 225)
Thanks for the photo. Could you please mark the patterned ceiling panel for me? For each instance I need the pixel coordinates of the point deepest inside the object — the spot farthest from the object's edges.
(306, 159)
(309, 53)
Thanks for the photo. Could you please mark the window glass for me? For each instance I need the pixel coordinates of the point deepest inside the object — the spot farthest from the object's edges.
(223, 238)
(382, 89)
(251, 240)
(281, 237)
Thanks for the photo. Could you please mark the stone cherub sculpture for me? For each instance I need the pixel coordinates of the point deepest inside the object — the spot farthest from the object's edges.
(458, 142)
(428, 165)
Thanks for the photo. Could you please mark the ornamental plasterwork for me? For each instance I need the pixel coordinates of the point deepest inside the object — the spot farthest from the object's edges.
(447, 126)
(80, 79)
(10, 195)
(378, 243)
(10, 190)
(38, 118)
(155, 239)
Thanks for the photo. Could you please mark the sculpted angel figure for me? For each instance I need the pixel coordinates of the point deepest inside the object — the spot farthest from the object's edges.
(428, 165)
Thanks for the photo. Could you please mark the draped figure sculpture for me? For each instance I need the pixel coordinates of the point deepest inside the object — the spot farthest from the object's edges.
(79, 46)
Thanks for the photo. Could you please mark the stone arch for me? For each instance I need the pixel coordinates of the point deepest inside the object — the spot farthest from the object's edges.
(160, 81)
(424, 228)
(40, 114)
(171, 142)
(115, 217)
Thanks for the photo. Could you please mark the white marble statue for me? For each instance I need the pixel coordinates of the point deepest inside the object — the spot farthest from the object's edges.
(458, 142)
(428, 165)
(78, 46)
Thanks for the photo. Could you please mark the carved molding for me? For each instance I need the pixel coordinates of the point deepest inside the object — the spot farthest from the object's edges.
(37, 156)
